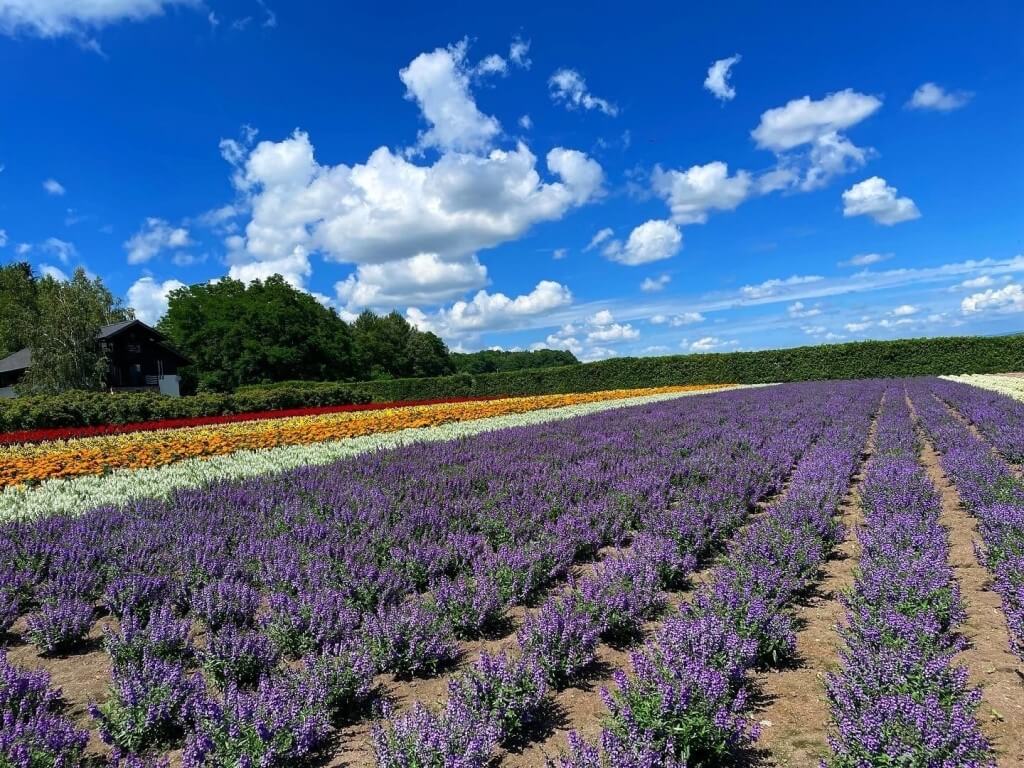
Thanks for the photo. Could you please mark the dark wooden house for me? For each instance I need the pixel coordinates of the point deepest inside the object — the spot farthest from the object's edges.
(139, 358)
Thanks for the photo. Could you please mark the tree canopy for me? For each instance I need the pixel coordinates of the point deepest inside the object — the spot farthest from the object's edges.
(266, 331)
(58, 320)
(269, 331)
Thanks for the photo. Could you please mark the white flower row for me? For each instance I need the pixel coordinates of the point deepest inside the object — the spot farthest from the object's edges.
(70, 496)
(1012, 386)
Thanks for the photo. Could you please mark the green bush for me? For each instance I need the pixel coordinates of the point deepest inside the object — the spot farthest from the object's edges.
(858, 360)
(80, 408)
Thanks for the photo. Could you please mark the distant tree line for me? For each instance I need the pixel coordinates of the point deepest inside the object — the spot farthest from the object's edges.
(234, 333)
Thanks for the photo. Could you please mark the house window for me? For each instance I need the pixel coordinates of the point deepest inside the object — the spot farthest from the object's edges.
(136, 348)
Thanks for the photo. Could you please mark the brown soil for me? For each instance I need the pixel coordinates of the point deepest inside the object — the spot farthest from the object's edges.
(988, 658)
(794, 718)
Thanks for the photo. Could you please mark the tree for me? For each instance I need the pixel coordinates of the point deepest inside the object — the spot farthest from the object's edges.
(62, 333)
(388, 346)
(264, 332)
(19, 303)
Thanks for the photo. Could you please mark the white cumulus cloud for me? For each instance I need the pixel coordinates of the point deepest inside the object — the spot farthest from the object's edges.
(568, 87)
(803, 120)
(717, 80)
(653, 240)
(935, 97)
(655, 284)
(865, 259)
(1009, 298)
(54, 187)
(149, 298)
(776, 285)
(155, 236)
(875, 198)
(492, 311)
(692, 193)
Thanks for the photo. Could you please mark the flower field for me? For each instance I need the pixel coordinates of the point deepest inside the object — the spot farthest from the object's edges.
(597, 581)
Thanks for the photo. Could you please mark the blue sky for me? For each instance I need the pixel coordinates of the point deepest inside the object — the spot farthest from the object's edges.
(641, 179)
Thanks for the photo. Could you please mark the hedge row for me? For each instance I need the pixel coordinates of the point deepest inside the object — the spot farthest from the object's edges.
(83, 409)
(857, 360)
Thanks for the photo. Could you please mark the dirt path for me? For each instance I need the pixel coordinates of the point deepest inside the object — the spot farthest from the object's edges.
(988, 658)
(795, 716)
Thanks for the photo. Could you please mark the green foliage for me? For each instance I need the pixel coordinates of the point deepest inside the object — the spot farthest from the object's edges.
(499, 361)
(266, 331)
(60, 327)
(80, 408)
(864, 359)
(19, 303)
(389, 347)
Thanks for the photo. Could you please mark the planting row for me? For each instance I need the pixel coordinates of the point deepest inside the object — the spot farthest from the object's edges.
(998, 413)
(72, 496)
(381, 562)
(989, 490)
(74, 433)
(33, 463)
(898, 695)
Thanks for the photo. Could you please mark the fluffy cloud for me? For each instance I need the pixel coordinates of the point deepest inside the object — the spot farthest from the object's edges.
(439, 84)
(831, 155)
(412, 229)
(651, 241)
(421, 279)
(525, 122)
(655, 284)
(149, 298)
(717, 80)
(935, 97)
(799, 309)
(686, 318)
(492, 311)
(708, 344)
(519, 53)
(1009, 298)
(776, 285)
(865, 259)
(904, 310)
(692, 193)
(568, 87)
(875, 198)
(802, 121)
(3, 238)
(859, 327)
(816, 123)
(584, 339)
(62, 18)
(53, 187)
(155, 236)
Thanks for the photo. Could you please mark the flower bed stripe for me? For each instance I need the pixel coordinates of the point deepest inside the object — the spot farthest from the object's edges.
(898, 691)
(990, 491)
(99, 455)
(686, 702)
(70, 496)
(74, 433)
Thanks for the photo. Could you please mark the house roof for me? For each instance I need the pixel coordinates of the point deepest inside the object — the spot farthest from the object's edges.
(115, 328)
(22, 359)
(18, 361)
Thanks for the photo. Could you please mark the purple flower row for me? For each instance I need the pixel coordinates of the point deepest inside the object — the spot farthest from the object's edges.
(898, 695)
(685, 702)
(33, 732)
(557, 642)
(379, 563)
(986, 484)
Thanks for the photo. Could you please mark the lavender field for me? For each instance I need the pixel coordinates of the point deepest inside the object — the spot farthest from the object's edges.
(804, 574)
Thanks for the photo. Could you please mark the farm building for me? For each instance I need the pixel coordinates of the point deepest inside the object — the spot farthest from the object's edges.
(139, 359)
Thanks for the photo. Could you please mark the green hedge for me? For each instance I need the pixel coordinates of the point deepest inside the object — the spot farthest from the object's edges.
(79, 409)
(858, 360)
